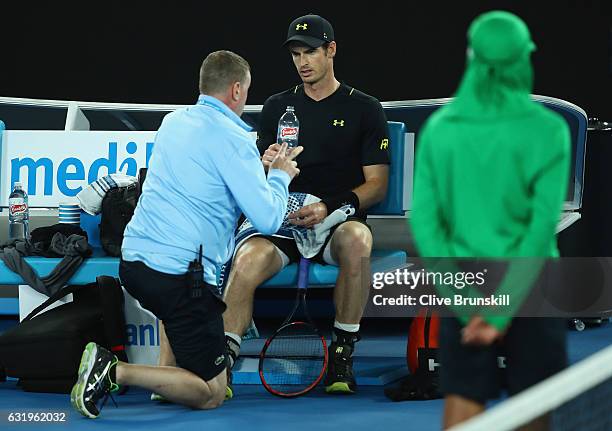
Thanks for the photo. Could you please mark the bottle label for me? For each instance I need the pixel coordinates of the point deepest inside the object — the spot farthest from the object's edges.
(17, 206)
(288, 132)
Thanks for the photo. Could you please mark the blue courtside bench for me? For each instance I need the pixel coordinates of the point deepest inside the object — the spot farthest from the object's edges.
(320, 275)
(413, 113)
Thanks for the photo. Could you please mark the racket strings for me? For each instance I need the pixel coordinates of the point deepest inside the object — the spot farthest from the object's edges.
(294, 360)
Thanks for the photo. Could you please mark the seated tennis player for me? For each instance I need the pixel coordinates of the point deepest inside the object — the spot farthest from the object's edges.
(345, 161)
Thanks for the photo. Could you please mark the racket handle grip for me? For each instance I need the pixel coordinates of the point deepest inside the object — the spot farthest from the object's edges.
(303, 273)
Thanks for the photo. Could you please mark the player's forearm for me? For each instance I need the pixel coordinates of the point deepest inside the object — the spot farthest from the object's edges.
(371, 192)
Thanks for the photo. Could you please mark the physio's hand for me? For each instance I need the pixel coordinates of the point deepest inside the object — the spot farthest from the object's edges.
(270, 154)
(479, 333)
(285, 161)
(309, 215)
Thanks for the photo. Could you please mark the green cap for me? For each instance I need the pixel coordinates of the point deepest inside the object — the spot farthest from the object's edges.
(499, 37)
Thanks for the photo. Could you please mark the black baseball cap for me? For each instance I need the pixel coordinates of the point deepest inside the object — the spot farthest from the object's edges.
(311, 30)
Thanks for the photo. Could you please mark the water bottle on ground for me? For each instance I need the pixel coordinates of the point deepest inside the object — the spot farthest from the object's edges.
(19, 213)
(288, 129)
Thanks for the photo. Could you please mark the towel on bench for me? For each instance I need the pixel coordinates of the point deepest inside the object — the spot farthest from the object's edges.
(90, 198)
(54, 241)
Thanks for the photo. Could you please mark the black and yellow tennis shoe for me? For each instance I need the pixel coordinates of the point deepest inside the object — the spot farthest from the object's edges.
(340, 378)
(94, 383)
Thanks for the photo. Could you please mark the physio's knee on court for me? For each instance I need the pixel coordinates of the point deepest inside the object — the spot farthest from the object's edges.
(216, 392)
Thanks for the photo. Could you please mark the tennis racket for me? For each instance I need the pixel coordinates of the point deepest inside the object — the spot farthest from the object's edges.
(294, 359)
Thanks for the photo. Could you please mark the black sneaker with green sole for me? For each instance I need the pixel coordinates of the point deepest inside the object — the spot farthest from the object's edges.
(340, 378)
(94, 382)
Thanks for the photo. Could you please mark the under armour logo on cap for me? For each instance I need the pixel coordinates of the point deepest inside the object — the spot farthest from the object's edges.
(310, 30)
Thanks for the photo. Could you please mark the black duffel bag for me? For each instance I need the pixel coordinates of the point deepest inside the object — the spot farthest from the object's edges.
(44, 350)
(118, 206)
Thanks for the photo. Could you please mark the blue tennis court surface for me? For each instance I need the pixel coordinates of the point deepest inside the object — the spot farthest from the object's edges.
(254, 409)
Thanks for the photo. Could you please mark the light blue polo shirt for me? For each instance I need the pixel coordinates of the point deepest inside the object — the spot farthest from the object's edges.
(204, 171)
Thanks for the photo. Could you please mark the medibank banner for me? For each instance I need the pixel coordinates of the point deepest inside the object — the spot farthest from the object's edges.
(54, 165)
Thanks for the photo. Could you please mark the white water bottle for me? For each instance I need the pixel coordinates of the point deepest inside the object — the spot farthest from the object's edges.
(19, 213)
(288, 128)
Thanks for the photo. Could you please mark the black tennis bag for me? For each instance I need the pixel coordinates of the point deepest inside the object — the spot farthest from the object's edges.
(422, 352)
(44, 350)
(118, 205)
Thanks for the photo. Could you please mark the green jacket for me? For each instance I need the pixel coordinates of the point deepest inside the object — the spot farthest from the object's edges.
(492, 166)
(491, 187)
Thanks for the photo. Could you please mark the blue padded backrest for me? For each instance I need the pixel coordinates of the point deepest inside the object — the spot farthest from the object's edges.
(394, 203)
(577, 121)
(90, 224)
(416, 112)
(2, 128)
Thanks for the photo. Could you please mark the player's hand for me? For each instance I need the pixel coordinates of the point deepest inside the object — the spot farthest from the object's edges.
(269, 155)
(285, 161)
(479, 333)
(309, 215)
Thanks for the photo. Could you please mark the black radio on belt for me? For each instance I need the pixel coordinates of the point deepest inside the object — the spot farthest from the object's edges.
(195, 275)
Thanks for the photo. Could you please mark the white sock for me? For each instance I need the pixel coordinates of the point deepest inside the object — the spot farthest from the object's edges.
(235, 337)
(348, 327)
(232, 341)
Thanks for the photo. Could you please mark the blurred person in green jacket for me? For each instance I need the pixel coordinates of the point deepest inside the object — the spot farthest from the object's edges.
(491, 176)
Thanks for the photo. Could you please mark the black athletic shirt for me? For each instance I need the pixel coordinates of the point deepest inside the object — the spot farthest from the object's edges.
(340, 134)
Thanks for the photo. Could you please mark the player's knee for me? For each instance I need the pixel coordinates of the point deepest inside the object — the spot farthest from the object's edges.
(353, 240)
(255, 255)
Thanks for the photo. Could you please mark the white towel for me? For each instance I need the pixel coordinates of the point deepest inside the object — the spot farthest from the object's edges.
(90, 198)
(308, 240)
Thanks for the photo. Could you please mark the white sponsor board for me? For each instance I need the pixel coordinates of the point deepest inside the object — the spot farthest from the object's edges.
(54, 165)
(142, 333)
